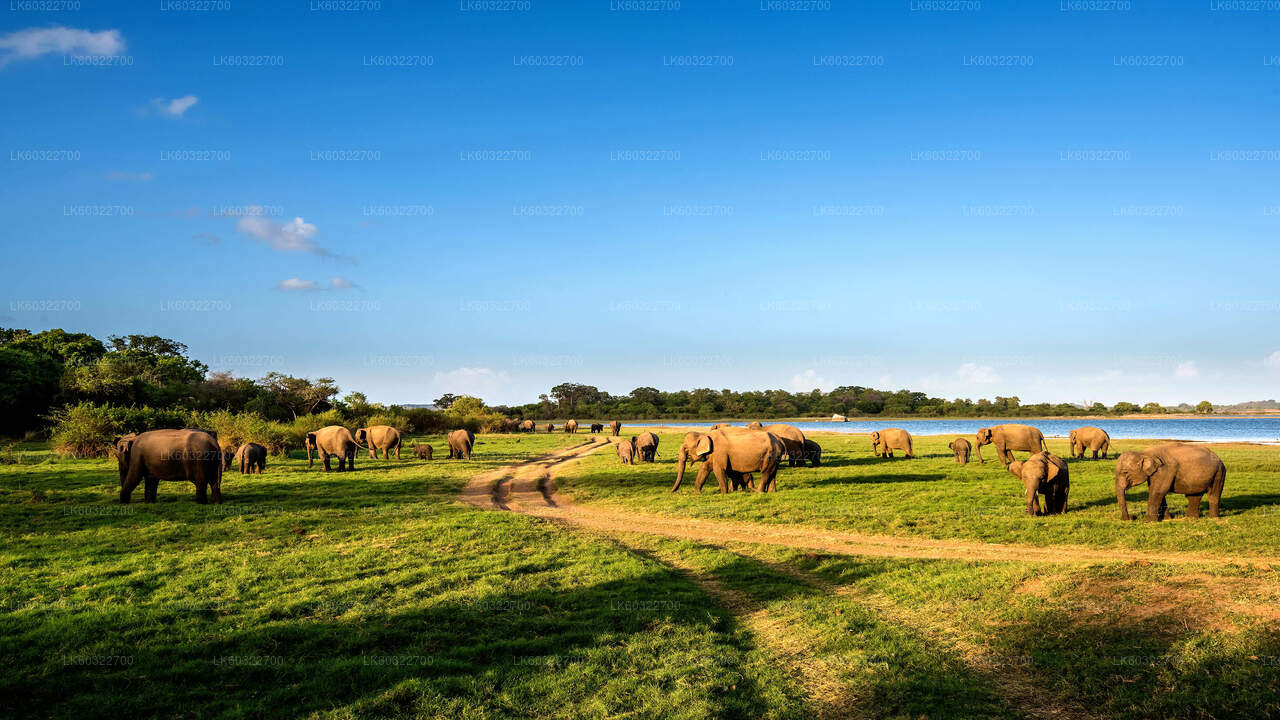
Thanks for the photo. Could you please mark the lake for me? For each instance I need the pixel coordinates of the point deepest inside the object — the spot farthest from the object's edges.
(1250, 429)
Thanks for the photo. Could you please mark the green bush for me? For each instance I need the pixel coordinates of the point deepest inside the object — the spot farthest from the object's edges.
(235, 429)
(84, 430)
(399, 422)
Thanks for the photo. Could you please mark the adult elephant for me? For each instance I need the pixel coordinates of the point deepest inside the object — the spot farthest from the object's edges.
(733, 455)
(1089, 438)
(812, 452)
(550, 427)
(1008, 438)
(755, 425)
(597, 427)
(1044, 474)
(1171, 467)
(717, 426)
(892, 439)
(571, 426)
(155, 455)
(332, 440)
(380, 437)
(615, 426)
(460, 444)
(792, 439)
(526, 426)
(627, 451)
(251, 456)
(646, 446)
(961, 448)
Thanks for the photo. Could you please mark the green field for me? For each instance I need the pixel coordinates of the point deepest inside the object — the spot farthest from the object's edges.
(378, 594)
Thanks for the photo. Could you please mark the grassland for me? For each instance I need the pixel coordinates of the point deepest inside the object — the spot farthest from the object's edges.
(377, 594)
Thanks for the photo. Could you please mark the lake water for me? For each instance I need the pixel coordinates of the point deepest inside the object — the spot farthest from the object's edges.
(1253, 429)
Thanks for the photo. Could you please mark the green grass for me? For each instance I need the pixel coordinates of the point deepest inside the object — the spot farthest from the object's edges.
(932, 496)
(376, 594)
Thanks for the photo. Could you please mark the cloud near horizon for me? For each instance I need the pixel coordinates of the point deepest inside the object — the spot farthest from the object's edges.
(297, 235)
(33, 43)
(297, 284)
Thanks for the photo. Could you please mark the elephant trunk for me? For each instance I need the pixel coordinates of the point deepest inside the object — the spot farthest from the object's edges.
(684, 456)
(310, 462)
(1121, 486)
(978, 446)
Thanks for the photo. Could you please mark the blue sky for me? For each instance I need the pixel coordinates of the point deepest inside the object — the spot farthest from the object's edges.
(1032, 199)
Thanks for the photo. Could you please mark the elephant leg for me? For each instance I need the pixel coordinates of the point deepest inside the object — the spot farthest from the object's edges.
(703, 471)
(1193, 506)
(202, 491)
(1033, 501)
(150, 486)
(130, 482)
(397, 451)
(326, 462)
(1157, 508)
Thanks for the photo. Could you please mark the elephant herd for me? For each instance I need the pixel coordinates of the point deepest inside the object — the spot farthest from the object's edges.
(737, 454)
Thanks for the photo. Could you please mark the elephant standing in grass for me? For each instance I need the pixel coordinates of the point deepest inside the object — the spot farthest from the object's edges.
(228, 456)
(423, 452)
(1089, 438)
(526, 426)
(380, 437)
(1171, 467)
(717, 426)
(1008, 438)
(251, 456)
(550, 427)
(597, 427)
(571, 426)
(646, 446)
(332, 440)
(961, 448)
(615, 426)
(734, 455)
(627, 451)
(891, 439)
(190, 455)
(1044, 474)
(812, 452)
(460, 443)
(755, 425)
(792, 439)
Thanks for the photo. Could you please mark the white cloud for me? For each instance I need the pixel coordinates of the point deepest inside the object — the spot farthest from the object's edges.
(297, 235)
(337, 283)
(121, 176)
(484, 383)
(808, 380)
(1272, 360)
(296, 284)
(1187, 369)
(977, 374)
(175, 107)
(32, 43)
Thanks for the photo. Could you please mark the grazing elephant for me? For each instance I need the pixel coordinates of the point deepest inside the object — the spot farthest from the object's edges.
(892, 439)
(227, 457)
(571, 426)
(332, 440)
(627, 451)
(423, 452)
(597, 427)
(1046, 474)
(526, 426)
(615, 426)
(646, 446)
(961, 448)
(1008, 438)
(733, 454)
(251, 456)
(1171, 467)
(190, 455)
(792, 439)
(380, 437)
(1090, 438)
(812, 452)
(550, 427)
(460, 443)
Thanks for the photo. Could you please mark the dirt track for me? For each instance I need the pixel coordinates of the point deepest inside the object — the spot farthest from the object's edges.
(529, 488)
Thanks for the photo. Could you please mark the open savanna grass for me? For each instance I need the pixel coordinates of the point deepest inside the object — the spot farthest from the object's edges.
(372, 593)
(932, 496)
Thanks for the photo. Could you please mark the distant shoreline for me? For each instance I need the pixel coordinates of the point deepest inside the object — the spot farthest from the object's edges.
(1261, 415)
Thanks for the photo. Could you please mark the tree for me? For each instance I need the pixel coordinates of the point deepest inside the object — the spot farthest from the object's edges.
(445, 401)
(1152, 408)
(467, 405)
(569, 395)
(1124, 408)
(1204, 407)
(299, 396)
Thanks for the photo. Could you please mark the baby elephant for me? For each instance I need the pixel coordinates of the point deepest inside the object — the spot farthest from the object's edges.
(961, 448)
(1171, 467)
(1046, 474)
(597, 427)
(812, 452)
(251, 456)
(422, 451)
(627, 451)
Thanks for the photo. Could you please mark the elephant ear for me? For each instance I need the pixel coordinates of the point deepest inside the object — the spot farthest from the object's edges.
(124, 445)
(875, 436)
(1150, 464)
(1051, 469)
(1015, 467)
(704, 446)
(951, 445)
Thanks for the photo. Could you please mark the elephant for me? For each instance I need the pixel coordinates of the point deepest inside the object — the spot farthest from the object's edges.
(755, 425)
(792, 439)
(1045, 474)
(460, 443)
(423, 452)
(571, 426)
(1008, 438)
(892, 439)
(961, 448)
(597, 427)
(508, 425)
(155, 455)
(646, 446)
(380, 437)
(550, 427)
(332, 440)
(1171, 467)
(251, 456)
(228, 456)
(717, 426)
(733, 455)
(812, 452)
(1090, 438)
(615, 426)
(627, 451)
(526, 426)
